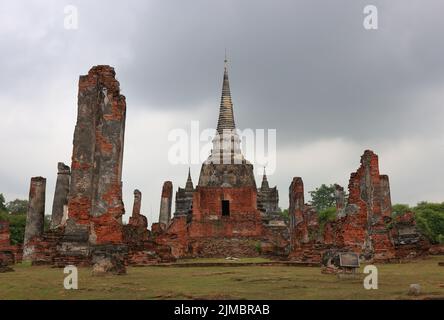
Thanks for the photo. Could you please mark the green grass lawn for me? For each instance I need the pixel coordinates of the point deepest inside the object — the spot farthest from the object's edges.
(276, 282)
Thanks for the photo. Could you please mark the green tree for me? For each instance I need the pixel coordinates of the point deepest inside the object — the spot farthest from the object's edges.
(2, 203)
(327, 215)
(323, 197)
(284, 213)
(398, 209)
(17, 206)
(430, 220)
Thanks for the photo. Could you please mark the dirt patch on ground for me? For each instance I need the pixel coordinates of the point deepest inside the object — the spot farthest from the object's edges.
(180, 295)
(211, 274)
(264, 279)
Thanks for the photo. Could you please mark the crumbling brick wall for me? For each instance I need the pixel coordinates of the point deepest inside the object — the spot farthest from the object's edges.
(362, 223)
(408, 240)
(368, 209)
(9, 254)
(363, 226)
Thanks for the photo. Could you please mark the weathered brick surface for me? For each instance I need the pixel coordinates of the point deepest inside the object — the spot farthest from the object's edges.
(45, 247)
(298, 226)
(409, 242)
(369, 193)
(60, 203)
(149, 252)
(364, 226)
(275, 241)
(4, 234)
(9, 254)
(36, 214)
(137, 228)
(211, 234)
(177, 236)
(305, 235)
(93, 231)
(95, 197)
(243, 221)
(166, 200)
(226, 247)
(436, 249)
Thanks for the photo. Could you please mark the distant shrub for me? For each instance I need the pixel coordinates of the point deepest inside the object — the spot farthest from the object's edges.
(325, 216)
(284, 213)
(429, 218)
(399, 209)
(17, 206)
(323, 198)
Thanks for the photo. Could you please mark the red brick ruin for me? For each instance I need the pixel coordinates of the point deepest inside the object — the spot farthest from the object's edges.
(225, 214)
(363, 225)
(87, 212)
(9, 254)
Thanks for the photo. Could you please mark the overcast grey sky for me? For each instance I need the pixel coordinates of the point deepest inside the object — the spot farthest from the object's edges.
(308, 69)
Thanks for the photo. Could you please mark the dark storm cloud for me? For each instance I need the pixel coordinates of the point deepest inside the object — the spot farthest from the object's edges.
(307, 68)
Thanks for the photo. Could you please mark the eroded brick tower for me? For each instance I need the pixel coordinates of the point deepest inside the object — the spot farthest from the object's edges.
(225, 200)
(220, 216)
(95, 206)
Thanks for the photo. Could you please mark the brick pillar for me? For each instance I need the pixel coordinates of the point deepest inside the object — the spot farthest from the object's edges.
(165, 203)
(4, 234)
(386, 202)
(60, 203)
(7, 252)
(296, 199)
(298, 231)
(36, 212)
(137, 202)
(95, 205)
(137, 219)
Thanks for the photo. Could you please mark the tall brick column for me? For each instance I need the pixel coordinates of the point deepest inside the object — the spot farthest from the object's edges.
(137, 219)
(60, 203)
(165, 203)
(296, 207)
(7, 257)
(137, 202)
(386, 202)
(298, 229)
(36, 213)
(95, 205)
